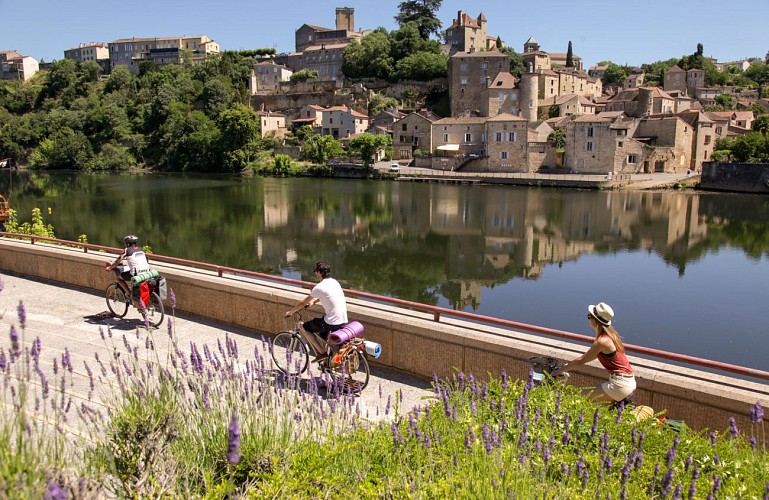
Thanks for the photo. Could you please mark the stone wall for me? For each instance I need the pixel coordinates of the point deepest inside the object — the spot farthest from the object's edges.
(741, 177)
(411, 340)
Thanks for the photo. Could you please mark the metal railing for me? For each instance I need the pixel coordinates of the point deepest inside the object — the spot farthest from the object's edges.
(436, 311)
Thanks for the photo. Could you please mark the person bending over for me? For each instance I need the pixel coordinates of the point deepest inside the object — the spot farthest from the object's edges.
(608, 348)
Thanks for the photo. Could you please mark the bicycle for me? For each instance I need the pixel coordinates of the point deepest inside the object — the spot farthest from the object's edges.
(290, 350)
(118, 300)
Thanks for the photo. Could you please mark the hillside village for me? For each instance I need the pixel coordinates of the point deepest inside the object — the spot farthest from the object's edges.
(498, 122)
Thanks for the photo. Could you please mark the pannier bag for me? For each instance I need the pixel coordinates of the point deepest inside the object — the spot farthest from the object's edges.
(162, 288)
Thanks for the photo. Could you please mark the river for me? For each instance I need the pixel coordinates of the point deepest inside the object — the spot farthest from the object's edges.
(686, 272)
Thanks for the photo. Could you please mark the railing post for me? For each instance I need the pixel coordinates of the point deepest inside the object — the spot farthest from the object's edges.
(32, 239)
(219, 271)
(436, 316)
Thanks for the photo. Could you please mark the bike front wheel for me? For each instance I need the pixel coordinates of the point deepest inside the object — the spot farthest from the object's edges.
(290, 353)
(354, 367)
(117, 301)
(155, 311)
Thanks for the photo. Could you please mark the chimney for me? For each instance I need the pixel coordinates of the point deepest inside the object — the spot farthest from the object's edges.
(459, 18)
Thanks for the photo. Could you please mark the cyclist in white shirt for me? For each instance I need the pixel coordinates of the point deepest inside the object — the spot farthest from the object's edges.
(331, 297)
(134, 257)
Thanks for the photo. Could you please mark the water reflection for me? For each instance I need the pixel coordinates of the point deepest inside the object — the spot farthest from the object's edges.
(485, 248)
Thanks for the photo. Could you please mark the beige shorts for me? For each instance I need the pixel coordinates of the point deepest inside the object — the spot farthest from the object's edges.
(619, 387)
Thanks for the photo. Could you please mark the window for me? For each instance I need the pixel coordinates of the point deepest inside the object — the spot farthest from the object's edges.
(404, 127)
(499, 137)
(719, 130)
(468, 137)
(622, 132)
(463, 80)
(482, 79)
(445, 137)
(503, 155)
(501, 96)
(512, 136)
(707, 140)
(588, 146)
(463, 66)
(632, 158)
(484, 66)
(620, 144)
(589, 132)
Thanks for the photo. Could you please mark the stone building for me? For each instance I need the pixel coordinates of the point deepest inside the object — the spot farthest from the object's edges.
(266, 77)
(460, 135)
(469, 35)
(507, 143)
(272, 124)
(342, 122)
(326, 59)
(611, 144)
(382, 122)
(88, 52)
(641, 102)
(14, 66)
(160, 51)
(309, 35)
(675, 80)
(568, 104)
(501, 96)
(413, 132)
(469, 75)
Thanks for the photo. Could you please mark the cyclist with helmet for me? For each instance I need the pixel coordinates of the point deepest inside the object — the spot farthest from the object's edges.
(134, 257)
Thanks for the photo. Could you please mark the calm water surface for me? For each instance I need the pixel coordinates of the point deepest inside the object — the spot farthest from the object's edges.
(685, 272)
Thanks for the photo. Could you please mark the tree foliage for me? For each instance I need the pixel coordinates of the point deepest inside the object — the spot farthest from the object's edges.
(752, 147)
(303, 75)
(367, 145)
(422, 12)
(517, 66)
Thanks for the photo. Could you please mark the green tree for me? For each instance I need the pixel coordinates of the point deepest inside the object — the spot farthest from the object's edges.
(517, 66)
(725, 101)
(321, 148)
(557, 138)
(283, 165)
(119, 79)
(304, 74)
(761, 124)
(614, 74)
(407, 40)
(370, 58)
(65, 149)
(554, 111)
(422, 66)
(758, 72)
(216, 97)
(422, 12)
(239, 137)
(377, 102)
(367, 145)
(569, 57)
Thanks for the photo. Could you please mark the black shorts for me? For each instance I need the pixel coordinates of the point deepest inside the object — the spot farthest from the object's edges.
(320, 327)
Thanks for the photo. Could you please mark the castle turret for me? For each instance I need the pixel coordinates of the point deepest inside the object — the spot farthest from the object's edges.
(529, 100)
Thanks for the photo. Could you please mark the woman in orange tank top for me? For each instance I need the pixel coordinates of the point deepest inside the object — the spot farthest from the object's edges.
(607, 347)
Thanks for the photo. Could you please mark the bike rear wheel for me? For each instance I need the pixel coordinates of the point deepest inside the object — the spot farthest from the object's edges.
(117, 301)
(155, 312)
(354, 367)
(290, 353)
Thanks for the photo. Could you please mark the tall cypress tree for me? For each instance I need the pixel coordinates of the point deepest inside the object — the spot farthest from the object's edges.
(569, 57)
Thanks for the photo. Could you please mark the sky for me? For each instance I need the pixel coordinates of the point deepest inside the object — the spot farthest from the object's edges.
(629, 33)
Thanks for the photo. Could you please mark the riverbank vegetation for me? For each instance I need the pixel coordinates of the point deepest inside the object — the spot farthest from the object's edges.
(215, 422)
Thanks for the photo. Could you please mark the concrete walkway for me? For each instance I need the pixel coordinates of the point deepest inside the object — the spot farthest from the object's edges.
(63, 317)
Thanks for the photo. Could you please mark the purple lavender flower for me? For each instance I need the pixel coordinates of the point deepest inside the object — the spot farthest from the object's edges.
(687, 462)
(693, 485)
(712, 436)
(170, 325)
(752, 442)
(54, 491)
(387, 406)
(716, 484)
(172, 298)
(594, 427)
(667, 482)
(14, 342)
(22, 312)
(3, 361)
(756, 413)
(233, 443)
(505, 382)
(461, 379)
(733, 427)
(581, 418)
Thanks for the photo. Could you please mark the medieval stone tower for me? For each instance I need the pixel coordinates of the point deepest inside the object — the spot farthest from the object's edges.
(345, 18)
(529, 101)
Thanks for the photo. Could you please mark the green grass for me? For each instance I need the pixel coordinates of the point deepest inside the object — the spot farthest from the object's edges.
(210, 423)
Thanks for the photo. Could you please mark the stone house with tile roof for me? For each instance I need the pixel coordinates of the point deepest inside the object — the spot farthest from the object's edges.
(272, 124)
(161, 51)
(468, 35)
(501, 96)
(411, 133)
(14, 66)
(382, 122)
(326, 59)
(342, 121)
(612, 144)
(741, 121)
(641, 102)
(675, 80)
(266, 77)
(507, 144)
(568, 104)
(309, 35)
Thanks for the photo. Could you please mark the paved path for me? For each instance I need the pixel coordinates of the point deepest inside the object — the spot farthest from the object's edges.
(64, 317)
